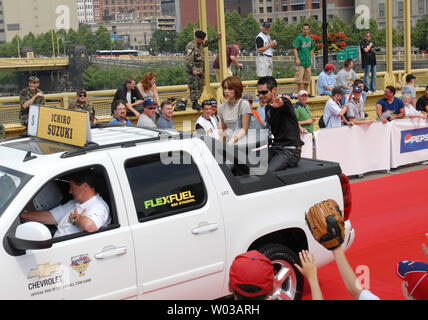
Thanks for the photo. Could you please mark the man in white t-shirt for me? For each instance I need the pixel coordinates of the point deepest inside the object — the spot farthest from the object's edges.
(206, 124)
(86, 212)
(333, 111)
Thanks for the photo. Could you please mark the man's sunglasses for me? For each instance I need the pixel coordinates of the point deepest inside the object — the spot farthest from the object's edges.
(263, 92)
(82, 95)
(151, 108)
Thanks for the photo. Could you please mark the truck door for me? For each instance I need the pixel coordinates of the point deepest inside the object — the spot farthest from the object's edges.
(78, 266)
(176, 221)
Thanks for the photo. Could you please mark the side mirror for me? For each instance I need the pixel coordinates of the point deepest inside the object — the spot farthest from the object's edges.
(31, 236)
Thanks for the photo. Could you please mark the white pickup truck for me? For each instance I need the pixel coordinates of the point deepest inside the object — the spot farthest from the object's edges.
(175, 229)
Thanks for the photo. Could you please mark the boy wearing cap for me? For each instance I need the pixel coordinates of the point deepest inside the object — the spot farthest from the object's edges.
(409, 88)
(326, 80)
(28, 96)
(82, 104)
(146, 118)
(264, 47)
(195, 66)
(251, 276)
(303, 48)
(303, 112)
(355, 113)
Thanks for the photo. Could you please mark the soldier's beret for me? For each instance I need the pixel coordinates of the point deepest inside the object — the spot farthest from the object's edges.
(200, 34)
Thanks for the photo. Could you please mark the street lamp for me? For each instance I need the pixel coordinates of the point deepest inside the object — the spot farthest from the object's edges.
(324, 32)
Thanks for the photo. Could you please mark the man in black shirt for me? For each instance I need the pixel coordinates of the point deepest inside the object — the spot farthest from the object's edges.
(368, 57)
(422, 104)
(285, 145)
(129, 93)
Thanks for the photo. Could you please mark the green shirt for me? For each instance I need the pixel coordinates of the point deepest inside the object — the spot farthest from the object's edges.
(303, 113)
(304, 46)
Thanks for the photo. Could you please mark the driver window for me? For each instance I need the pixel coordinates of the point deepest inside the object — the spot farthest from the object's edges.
(76, 202)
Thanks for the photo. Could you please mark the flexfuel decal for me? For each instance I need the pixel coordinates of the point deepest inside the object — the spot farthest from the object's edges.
(173, 200)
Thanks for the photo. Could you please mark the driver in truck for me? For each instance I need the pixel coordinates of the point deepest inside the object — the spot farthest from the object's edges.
(86, 212)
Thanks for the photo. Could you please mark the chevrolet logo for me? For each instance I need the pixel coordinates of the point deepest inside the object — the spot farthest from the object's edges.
(43, 270)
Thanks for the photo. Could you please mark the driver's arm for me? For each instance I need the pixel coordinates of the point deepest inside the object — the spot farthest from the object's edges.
(44, 217)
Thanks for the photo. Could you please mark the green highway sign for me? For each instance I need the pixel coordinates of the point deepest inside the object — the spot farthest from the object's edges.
(348, 53)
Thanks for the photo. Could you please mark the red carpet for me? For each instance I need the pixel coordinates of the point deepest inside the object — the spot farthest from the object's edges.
(390, 218)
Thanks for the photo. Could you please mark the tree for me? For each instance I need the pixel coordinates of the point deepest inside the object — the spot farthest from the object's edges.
(420, 32)
(102, 37)
(233, 22)
(278, 33)
(249, 30)
(184, 37)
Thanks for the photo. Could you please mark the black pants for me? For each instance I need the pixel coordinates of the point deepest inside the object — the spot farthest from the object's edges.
(281, 158)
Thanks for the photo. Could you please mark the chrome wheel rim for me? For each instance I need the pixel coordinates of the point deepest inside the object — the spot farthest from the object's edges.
(285, 281)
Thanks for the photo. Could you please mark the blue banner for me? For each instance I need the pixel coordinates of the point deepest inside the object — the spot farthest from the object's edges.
(414, 140)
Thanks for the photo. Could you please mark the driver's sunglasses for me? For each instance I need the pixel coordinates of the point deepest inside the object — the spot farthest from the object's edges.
(263, 92)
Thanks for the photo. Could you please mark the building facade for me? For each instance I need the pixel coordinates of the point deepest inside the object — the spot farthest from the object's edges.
(292, 11)
(377, 11)
(243, 7)
(20, 17)
(88, 11)
(134, 35)
(129, 10)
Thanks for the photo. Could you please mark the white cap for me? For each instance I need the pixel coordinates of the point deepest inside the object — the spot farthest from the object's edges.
(302, 92)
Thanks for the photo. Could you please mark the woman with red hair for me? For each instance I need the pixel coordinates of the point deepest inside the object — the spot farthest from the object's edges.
(147, 87)
(235, 113)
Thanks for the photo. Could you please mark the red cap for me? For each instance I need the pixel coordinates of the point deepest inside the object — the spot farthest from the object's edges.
(251, 268)
(329, 66)
(417, 284)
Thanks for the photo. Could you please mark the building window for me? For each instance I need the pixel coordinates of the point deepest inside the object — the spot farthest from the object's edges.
(400, 9)
(382, 10)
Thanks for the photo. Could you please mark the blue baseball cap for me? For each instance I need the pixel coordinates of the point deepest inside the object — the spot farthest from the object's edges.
(149, 102)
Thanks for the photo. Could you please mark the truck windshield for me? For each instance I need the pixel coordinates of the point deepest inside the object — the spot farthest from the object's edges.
(11, 182)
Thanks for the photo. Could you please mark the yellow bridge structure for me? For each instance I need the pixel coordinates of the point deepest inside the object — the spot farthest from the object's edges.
(33, 64)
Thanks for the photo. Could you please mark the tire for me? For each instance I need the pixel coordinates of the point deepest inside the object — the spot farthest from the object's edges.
(288, 284)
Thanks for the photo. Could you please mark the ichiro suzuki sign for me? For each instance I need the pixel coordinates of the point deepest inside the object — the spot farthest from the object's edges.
(61, 125)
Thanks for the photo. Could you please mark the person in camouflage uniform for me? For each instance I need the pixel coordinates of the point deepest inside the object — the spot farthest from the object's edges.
(195, 66)
(29, 96)
(82, 104)
(2, 131)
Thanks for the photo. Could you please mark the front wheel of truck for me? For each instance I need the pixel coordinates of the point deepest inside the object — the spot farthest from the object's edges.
(288, 281)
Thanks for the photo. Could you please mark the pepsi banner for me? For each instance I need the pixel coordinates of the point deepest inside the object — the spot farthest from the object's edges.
(409, 141)
(414, 140)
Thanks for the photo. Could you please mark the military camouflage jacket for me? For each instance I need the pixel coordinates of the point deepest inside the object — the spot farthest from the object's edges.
(24, 96)
(195, 55)
(2, 131)
(85, 107)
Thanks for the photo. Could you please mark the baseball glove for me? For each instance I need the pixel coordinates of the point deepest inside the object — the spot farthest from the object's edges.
(326, 223)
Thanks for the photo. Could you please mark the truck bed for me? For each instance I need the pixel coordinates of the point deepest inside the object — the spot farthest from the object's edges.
(306, 170)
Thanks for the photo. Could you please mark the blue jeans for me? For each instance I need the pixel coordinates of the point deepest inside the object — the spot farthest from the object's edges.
(367, 70)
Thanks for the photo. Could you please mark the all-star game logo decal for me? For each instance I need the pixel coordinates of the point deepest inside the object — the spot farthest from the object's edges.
(80, 263)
